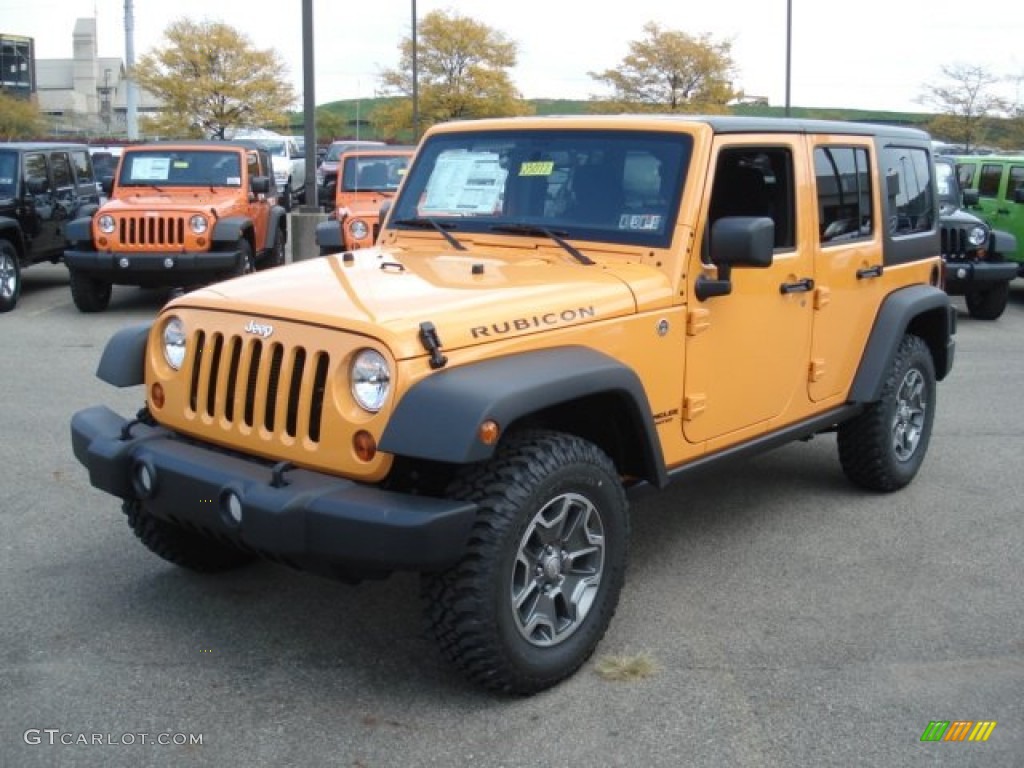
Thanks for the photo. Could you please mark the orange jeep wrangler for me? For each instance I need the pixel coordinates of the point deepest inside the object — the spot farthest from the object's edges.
(367, 178)
(558, 313)
(179, 214)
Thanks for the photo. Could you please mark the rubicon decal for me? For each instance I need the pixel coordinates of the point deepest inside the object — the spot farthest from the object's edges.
(548, 319)
(958, 730)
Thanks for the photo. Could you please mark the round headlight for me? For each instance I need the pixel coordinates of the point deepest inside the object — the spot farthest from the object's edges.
(371, 379)
(358, 229)
(105, 223)
(174, 343)
(977, 236)
(198, 224)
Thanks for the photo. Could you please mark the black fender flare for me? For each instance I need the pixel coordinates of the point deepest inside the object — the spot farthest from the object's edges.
(10, 229)
(328, 234)
(123, 362)
(920, 309)
(439, 417)
(278, 219)
(231, 229)
(79, 230)
(1003, 243)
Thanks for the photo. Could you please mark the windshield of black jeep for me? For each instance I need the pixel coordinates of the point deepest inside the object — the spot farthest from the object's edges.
(373, 173)
(181, 167)
(612, 186)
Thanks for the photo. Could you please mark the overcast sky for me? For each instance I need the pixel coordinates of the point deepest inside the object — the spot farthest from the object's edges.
(871, 54)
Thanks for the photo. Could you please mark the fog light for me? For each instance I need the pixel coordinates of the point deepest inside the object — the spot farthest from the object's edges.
(231, 506)
(143, 480)
(123, 262)
(169, 263)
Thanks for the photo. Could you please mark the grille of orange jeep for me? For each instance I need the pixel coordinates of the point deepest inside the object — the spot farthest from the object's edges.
(249, 383)
(152, 230)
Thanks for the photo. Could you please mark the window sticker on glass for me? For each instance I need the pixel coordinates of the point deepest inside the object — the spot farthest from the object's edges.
(465, 183)
(151, 168)
(642, 222)
(537, 168)
(234, 181)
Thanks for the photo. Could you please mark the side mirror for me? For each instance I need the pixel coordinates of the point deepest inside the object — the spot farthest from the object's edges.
(260, 185)
(385, 207)
(36, 185)
(971, 197)
(107, 185)
(736, 241)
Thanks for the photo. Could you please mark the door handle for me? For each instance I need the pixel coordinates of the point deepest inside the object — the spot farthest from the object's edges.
(800, 286)
(875, 271)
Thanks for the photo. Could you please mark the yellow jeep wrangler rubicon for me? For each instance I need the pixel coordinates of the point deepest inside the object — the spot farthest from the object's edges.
(179, 214)
(558, 311)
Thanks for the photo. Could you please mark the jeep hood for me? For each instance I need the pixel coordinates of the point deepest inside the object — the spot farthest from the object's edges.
(150, 198)
(469, 298)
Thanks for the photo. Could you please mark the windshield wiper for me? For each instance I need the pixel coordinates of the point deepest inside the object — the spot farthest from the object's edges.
(425, 222)
(557, 236)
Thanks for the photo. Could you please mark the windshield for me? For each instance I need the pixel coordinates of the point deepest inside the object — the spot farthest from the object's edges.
(612, 186)
(274, 147)
(373, 173)
(181, 167)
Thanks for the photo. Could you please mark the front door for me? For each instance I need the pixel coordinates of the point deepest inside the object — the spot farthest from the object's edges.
(747, 352)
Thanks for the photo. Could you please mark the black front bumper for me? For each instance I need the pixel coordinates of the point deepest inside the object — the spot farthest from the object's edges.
(164, 267)
(963, 275)
(315, 521)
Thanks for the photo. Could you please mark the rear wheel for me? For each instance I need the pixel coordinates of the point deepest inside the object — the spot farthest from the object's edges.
(89, 293)
(545, 563)
(988, 303)
(276, 257)
(882, 448)
(10, 276)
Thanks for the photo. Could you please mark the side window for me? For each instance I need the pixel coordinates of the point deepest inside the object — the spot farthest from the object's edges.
(83, 168)
(61, 166)
(988, 182)
(38, 169)
(1016, 181)
(965, 174)
(756, 181)
(843, 180)
(909, 185)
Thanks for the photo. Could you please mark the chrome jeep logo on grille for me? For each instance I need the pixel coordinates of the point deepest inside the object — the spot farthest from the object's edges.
(259, 329)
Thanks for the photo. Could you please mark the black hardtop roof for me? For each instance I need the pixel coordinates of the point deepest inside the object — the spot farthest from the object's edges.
(198, 144)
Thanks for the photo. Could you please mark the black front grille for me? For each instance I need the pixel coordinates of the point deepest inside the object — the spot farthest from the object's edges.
(954, 242)
(259, 384)
(152, 230)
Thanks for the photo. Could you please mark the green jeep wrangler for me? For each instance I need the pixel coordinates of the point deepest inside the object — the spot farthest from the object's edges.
(999, 182)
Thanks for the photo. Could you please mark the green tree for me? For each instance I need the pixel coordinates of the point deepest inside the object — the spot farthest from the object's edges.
(965, 104)
(211, 80)
(19, 119)
(670, 71)
(462, 73)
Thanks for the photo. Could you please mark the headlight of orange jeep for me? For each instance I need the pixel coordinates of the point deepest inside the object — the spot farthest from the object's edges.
(358, 229)
(106, 224)
(198, 224)
(371, 379)
(175, 343)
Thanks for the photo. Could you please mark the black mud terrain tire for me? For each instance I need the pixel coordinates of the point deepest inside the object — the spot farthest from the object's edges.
(276, 257)
(89, 293)
(246, 261)
(988, 303)
(882, 448)
(10, 276)
(181, 547)
(544, 565)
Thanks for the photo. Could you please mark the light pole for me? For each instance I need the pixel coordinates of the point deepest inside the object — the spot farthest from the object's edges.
(415, 83)
(789, 48)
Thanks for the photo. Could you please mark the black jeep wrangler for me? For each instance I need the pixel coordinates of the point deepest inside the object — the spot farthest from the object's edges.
(976, 257)
(43, 186)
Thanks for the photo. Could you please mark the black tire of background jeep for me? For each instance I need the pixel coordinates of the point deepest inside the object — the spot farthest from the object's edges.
(286, 197)
(882, 448)
(472, 607)
(181, 547)
(988, 303)
(89, 293)
(246, 262)
(276, 257)
(10, 276)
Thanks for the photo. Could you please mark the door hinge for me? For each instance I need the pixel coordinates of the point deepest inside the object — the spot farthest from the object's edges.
(694, 406)
(822, 296)
(816, 370)
(697, 321)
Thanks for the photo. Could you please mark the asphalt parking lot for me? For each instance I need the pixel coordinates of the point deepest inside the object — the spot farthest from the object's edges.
(792, 619)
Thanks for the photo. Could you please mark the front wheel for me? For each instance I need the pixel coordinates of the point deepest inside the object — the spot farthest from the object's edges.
(10, 276)
(882, 448)
(89, 293)
(988, 303)
(246, 262)
(544, 566)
